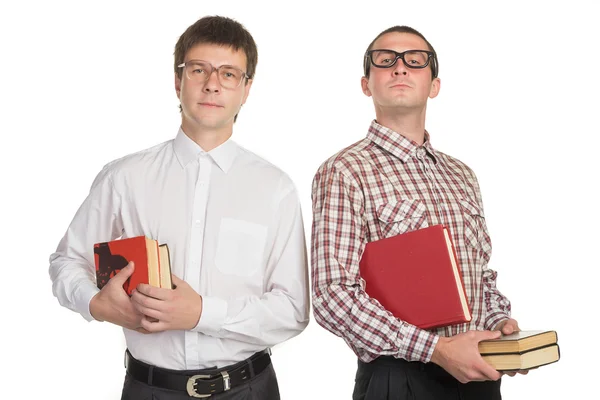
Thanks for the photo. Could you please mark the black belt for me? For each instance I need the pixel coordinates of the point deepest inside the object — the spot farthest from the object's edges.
(199, 383)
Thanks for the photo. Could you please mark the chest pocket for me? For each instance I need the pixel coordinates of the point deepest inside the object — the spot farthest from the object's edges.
(400, 217)
(240, 247)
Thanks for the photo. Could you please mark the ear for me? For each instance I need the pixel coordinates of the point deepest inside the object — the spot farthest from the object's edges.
(435, 88)
(246, 91)
(364, 83)
(177, 85)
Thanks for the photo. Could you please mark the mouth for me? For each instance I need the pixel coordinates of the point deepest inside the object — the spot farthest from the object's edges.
(210, 105)
(400, 86)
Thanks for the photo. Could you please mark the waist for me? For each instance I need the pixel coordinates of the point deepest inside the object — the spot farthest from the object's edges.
(199, 382)
(177, 350)
(431, 369)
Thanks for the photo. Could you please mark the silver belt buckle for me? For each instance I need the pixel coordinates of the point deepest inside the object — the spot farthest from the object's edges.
(226, 381)
(191, 386)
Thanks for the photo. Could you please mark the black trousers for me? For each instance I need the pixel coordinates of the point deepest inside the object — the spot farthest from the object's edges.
(388, 378)
(260, 387)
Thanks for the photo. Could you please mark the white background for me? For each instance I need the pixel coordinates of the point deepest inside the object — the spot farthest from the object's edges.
(83, 83)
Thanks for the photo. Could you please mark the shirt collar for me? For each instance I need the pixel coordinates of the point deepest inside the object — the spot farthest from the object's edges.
(399, 146)
(187, 151)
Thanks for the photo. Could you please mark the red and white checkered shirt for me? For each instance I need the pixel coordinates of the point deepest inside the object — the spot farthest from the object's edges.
(386, 185)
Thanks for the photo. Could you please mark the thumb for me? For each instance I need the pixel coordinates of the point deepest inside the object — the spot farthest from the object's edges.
(488, 335)
(124, 274)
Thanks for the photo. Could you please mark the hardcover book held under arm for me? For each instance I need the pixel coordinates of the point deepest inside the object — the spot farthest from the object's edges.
(416, 276)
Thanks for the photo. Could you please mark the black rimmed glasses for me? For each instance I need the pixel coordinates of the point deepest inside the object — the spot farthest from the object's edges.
(384, 58)
(200, 71)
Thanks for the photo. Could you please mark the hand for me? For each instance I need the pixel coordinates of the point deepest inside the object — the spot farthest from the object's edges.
(112, 303)
(507, 327)
(459, 355)
(168, 309)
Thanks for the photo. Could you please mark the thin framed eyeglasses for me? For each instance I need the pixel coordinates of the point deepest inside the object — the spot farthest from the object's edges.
(384, 58)
(200, 71)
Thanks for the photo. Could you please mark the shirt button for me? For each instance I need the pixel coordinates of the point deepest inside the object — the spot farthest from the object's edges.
(198, 222)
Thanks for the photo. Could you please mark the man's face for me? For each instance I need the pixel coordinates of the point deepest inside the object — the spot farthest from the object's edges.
(400, 87)
(208, 105)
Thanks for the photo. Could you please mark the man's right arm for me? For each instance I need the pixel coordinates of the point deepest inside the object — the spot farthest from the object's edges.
(72, 269)
(339, 300)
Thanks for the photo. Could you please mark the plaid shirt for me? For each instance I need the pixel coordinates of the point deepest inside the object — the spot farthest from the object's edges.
(386, 185)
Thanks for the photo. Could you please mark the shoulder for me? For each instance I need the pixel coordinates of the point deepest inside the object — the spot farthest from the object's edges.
(349, 163)
(456, 166)
(262, 172)
(134, 163)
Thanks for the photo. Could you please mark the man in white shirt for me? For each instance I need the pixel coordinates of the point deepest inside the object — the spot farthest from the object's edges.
(233, 225)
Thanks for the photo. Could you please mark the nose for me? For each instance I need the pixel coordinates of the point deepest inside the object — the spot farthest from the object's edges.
(399, 68)
(212, 85)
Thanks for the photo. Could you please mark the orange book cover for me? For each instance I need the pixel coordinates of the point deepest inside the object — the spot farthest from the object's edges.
(416, 276)
(111, 257)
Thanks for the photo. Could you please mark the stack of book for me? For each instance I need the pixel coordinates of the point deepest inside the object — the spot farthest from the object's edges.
(152, 262)
(521, 350)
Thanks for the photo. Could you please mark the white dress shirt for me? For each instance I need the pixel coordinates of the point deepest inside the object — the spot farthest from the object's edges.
(234, 228)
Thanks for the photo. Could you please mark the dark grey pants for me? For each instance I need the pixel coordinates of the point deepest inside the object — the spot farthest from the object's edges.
(261, 387)
(388, 378)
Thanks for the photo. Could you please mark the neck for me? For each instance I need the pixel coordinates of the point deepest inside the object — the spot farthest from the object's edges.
(206, 138)
(408, 123)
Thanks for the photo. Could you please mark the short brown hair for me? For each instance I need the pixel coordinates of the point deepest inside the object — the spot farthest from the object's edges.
(402, 29)
(221, 31)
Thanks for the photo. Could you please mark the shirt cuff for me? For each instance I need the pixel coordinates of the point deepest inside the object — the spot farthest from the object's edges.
(417, 344)
(494, 319)
(214, 311)
(82, 299)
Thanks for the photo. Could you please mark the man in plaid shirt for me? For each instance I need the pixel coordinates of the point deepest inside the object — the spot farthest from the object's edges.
(389, 183)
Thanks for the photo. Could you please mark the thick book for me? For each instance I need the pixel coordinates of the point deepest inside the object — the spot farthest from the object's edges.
(416, 276)
(152, 262)
(524, 360)
(518, 342)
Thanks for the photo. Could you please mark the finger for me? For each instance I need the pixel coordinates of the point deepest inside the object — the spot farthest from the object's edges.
(152, 326)
(510, 373)
(142, 300)
(487, 335)
(508, 328)
(148, 312)
(488, 371)
(523, 371)
(154, 292)
(123, 274)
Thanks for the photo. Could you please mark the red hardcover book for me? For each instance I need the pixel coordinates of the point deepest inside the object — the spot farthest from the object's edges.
(111, 257)
(416, 276)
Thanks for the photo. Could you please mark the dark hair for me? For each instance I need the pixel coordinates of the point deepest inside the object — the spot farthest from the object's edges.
(402, 29)
(221, 31)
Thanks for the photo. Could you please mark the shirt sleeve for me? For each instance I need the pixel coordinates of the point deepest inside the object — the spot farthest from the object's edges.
(282, 312)
(72, 268)
(497, 306)
(339, 300)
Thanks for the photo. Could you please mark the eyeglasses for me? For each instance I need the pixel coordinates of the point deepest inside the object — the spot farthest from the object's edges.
(200, 71)
(382, 58)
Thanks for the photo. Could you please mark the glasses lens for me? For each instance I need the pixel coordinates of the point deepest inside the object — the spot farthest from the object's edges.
(198, 71)
(230, 77)
(416, 59)
(383, 58)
